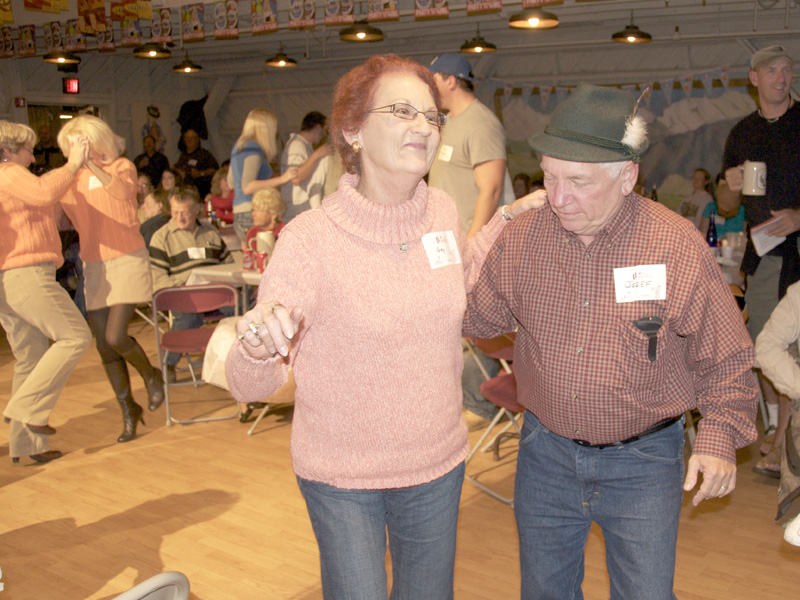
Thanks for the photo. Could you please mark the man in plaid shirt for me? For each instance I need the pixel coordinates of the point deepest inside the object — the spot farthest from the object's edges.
(624, 322)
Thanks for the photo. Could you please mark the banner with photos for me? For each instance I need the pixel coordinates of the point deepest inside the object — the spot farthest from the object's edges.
(264, 15)
(483, 7)
(161, 26)
(53, 40)
(48, 6)
(92, 16)
(131, 32)
(192, 22)
(6, 15)
(74, 40)
(339, 12)
(105, 39)
(226, 20)
(382, 10)
(431, 9)
(7, 42)
(301, 14)
(27, 40)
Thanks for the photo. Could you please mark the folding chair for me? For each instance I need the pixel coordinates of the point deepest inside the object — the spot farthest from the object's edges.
(185, 342)
(502, 392)
(171, 585)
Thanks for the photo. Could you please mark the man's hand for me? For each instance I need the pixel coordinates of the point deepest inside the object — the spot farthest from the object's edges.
(719, 477)
(789, 223)
(735, 178)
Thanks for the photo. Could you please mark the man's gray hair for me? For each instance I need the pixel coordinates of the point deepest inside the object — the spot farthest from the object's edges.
(613, 168)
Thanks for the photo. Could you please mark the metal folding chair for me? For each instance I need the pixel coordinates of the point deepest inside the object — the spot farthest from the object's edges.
(188, 342)
(502, 392)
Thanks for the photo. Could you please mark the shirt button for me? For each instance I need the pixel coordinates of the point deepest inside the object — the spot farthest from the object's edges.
(580, 350)
(585, 303)
(574, 396)
(588, 255)
(577, 432)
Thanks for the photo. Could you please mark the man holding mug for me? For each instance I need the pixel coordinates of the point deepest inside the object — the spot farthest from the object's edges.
(768, 136)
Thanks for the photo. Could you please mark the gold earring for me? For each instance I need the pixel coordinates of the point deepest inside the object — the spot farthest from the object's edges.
(356, 147)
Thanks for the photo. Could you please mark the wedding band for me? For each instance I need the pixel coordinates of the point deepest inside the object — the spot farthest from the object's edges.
(722, 488)
(254, 328)
(241, 335)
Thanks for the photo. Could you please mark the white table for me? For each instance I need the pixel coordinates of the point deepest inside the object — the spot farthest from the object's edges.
(226, 273)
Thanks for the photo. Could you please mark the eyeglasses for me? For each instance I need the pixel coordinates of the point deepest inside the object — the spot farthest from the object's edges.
(404, 111)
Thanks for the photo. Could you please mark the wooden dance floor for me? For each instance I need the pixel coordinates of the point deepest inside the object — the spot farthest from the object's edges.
(224, 509)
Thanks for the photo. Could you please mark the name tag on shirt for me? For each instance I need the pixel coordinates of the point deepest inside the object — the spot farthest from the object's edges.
(441, 248)
(445, 153)
(643, 282)
(195, 253)
(192, 162)
(719, 220)
(94, 182)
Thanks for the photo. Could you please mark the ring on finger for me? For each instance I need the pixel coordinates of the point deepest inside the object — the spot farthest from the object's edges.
(254, 328)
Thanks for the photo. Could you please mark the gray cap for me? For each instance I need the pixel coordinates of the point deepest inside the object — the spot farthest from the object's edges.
(768, 54)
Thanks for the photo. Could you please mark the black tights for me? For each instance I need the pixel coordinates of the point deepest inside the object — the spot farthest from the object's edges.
(110, 328)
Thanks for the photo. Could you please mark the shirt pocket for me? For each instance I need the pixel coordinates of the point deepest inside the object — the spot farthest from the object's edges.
(637, 370)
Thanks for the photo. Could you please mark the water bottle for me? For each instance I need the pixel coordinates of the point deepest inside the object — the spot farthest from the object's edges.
(654, 195)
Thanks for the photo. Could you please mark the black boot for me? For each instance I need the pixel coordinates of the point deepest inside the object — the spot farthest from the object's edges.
(151, 375)
(117, 373)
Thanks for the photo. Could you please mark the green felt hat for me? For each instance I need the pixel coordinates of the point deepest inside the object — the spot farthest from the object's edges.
(595, 124)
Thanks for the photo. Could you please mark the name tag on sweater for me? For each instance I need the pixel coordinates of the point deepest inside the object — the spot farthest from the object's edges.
(195, 253)
(441, 248)
(94, 182)
(643, 282)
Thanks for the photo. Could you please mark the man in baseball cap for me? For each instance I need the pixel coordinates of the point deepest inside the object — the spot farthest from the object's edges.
(768, 135)
(624, 323)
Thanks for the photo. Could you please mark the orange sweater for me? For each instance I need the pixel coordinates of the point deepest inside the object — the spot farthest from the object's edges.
(28, 232)
(105, 216)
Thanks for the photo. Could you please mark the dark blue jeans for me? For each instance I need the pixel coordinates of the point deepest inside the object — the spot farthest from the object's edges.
(634, 492)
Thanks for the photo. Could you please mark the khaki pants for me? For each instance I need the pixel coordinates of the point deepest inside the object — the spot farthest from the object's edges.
(35, 309)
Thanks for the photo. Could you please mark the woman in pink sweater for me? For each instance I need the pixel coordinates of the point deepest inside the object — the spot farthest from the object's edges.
(34, 308)
(102, 206)
(364, 299)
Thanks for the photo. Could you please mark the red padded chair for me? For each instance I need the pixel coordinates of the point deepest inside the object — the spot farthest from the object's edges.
(186, 342)
(502, 392)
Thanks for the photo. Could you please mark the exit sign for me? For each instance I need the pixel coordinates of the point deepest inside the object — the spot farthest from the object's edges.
(70, 85)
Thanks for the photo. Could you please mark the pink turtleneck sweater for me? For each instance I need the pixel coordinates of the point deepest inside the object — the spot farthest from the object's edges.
(377, 360)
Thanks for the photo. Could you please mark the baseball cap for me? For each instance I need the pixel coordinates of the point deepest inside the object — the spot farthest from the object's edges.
(768, 54)
(452, 64)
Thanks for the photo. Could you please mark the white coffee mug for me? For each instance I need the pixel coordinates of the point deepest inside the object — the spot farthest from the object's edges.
(754, 178)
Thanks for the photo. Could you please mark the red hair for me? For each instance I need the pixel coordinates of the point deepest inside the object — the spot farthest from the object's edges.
(354, 93)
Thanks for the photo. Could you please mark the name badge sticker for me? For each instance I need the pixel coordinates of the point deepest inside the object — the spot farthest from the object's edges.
(195, 253)
(192, 162)
(94, 182)
(445, 153)
(643, 282)
(441, 248)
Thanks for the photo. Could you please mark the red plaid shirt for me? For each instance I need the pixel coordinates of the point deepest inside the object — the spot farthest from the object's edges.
(582, 367)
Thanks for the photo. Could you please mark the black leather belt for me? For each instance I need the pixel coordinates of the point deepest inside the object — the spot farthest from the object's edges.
(652, 429)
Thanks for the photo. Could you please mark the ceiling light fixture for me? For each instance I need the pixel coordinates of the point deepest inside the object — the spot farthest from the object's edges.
(62, 58)
(632, 35)
(280, 60)
(478, 45)
(187, 66)
(533, 18)
(361, 31)
(151, 50)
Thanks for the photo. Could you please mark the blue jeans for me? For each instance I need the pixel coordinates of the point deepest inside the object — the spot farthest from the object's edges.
(634, 492)
(351, 525)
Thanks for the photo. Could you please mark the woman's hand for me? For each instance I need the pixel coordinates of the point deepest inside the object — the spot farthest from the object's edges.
(289, 174)
(531, 201)
(78, 154)
(267, 329)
